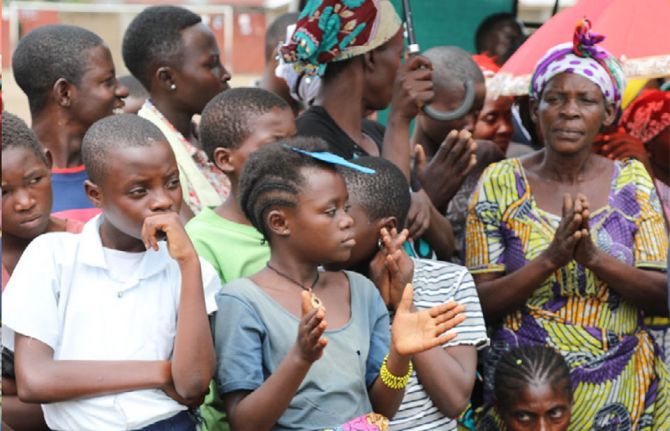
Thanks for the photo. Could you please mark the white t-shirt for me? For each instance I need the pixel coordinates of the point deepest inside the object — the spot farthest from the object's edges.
(65, 294)
(436, 282)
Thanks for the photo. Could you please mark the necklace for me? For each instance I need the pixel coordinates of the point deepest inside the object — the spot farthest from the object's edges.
(316, 302)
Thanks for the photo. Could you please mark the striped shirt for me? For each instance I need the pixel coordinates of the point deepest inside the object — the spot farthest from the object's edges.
(436, 282)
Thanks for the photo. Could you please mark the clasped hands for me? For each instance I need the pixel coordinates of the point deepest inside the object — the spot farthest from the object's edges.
(572, 239)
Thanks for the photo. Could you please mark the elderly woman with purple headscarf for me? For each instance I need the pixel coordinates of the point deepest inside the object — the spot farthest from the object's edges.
(568, 250)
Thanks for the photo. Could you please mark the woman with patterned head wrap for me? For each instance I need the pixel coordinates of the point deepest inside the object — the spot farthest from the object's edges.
(568, 248)
(355, 47)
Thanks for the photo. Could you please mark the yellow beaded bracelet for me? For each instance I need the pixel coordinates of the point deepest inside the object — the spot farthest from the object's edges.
(392, 381)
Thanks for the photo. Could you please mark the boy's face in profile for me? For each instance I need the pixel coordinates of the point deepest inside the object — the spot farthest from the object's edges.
(265, 129)
(26, 193)
(99, 93)
(366, 233)
(139, 181)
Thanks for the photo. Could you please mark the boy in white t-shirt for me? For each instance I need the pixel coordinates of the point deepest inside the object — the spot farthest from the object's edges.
(110, 327)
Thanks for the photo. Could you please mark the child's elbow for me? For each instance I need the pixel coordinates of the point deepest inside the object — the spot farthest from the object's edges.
(454, 409)
(193, 387)
(30, 389)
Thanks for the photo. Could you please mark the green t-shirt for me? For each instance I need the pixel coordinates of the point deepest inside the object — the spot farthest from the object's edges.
(235, 250)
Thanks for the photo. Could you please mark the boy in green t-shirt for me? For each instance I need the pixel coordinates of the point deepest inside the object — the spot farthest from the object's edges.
(234, 124)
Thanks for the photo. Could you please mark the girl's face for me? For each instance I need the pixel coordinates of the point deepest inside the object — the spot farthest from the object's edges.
(320, 225)
(201, 75)
(495, 122)
(539, 407)
(26, 193)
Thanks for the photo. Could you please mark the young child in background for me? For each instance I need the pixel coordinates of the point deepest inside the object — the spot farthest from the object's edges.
(533, 391)
(26, 212)
(137, 94)
(495, 122)
(276, 368)
(174, 54)
(276, 34)
(439, 389)
(112, 332)
(234, 124)
(68, 74)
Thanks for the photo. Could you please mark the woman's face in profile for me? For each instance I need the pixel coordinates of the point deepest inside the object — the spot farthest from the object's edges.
(571, 112)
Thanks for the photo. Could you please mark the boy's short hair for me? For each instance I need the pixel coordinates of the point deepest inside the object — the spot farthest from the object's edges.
(115, 133)
(225, 121)
(17, 134)
(452, 66)
(153, 38)
(135, 87)
(382, 194)
(47, 54)
(490, 24)
(276, 32)
(271, 177)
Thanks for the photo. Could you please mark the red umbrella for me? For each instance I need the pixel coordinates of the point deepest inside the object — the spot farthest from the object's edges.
(637, 32)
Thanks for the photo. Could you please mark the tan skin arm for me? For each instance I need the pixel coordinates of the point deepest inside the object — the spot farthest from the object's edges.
(409, 340)
(448, 376)
(440, 235)
(500, 294)
(17, 414)
(386, 401)
(413, 88)
(412, 331)
(41, 379)
(193, 358)
(643, 288)
(260, 409)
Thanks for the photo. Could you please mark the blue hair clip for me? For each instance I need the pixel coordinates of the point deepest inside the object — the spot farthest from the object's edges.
(331, 158)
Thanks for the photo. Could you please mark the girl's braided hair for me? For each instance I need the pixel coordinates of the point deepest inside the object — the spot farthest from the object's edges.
(523, 366)
(272, 177)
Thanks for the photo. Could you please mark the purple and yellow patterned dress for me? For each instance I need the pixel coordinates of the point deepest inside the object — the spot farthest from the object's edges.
(617, 372)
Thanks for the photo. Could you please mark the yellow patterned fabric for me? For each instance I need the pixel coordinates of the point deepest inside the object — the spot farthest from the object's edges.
(617, 371)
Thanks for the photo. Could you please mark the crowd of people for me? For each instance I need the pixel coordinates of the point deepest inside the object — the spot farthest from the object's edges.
(273, 258)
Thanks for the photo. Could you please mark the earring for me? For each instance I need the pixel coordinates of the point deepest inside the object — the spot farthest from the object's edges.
(380, 245)
(173, 86)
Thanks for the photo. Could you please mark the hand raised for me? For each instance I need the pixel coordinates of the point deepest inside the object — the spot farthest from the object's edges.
(414, 331)
(620, 145)
(399, 265)
(413, 87)
(310, 343)
(391, 268)
(418, 218)
(444, 175)
(168, 226)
